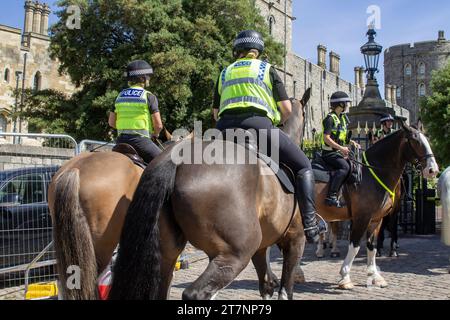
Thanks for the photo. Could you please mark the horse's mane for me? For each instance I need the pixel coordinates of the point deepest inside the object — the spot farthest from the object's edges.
(381, 144)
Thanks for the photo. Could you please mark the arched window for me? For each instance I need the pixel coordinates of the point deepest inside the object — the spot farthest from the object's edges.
(399, 92)
(3, 123)
(7, 75)
(422, 68)
(37, 81)
(271, 24)
(422, 90)
(408, 70)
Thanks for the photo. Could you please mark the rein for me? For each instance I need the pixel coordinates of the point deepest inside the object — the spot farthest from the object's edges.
(391, 193)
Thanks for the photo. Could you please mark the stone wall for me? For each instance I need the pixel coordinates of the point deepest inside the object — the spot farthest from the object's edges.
(18, 156)
(434, 54)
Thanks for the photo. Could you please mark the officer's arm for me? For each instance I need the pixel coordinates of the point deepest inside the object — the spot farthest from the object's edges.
(112, 120)
(157, 123)
(330, 142)
(216, 114)
(286, 109)
(216, 101)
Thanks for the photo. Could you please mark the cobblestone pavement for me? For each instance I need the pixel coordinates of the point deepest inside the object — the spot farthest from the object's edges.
(420, 272)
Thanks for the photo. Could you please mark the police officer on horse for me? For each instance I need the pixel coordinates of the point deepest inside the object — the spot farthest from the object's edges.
(387, 123)
(136, 115)
(249, 94)
(334, 149)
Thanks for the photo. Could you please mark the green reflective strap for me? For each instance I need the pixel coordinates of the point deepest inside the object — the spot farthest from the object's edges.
(391, 193)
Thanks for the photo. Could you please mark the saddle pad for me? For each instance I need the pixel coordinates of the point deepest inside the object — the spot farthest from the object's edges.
(281, 174)
(321, 176)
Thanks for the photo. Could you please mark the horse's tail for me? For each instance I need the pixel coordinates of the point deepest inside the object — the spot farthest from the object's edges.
(137, 274)
(75, 255)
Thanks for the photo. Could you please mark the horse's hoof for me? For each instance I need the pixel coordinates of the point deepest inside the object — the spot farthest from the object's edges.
(393, 254)
(299, 279)
(379, 253)
(282, 295)
(335, 254)
(346, 285)
(379, 282)
(319, 255)
(266, 297)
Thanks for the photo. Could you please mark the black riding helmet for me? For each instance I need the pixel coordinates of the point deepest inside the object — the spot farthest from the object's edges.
(138, 69)
(339, 98)
(247, 40)
(387, 117)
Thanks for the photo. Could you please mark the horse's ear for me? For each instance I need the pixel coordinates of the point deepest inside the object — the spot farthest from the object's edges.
(306, 96)
(402, 121)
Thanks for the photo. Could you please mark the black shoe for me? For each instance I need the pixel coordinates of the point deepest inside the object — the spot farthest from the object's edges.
(333, 201)
(305, 194)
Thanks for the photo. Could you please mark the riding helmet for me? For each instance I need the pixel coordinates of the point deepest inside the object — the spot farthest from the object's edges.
(137, 69)
(387, 117)
(247, 40)
(338, 98)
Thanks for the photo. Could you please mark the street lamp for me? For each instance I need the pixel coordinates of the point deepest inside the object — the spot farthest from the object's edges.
(371, 51)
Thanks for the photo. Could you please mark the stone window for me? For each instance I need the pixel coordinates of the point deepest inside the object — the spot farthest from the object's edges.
(422, 68)
(271, 24)
(408, 70)
(399, 93)
(3, 123)
(324, 75)
(37, 82)
(422, 90)
(7, 75)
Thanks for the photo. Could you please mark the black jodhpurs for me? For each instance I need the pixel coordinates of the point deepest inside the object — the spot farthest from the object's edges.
(341, 169)
(289, 153)
(143, 145)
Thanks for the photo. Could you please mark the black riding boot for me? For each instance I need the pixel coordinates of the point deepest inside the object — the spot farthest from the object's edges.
(332, 199)
(305, 194)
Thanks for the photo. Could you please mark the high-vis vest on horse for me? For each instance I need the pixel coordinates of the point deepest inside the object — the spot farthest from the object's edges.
(133, 115)
(246, 84)
(338, 132)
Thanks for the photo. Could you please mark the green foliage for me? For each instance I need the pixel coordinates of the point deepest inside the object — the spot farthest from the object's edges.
(435, 112)
(187, 43)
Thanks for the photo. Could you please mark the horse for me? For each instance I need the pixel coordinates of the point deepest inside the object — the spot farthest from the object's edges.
(444, 195)
(232, 212)
(371, 200)
(389, 222)
(88, 199)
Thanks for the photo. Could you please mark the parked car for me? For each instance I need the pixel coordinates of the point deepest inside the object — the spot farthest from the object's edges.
(25, 222)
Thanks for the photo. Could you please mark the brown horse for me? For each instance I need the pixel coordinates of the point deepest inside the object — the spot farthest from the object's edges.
(232, 212)
(88, 200)
(369, 202)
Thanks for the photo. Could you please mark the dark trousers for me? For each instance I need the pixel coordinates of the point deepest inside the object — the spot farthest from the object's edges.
(289, 153)
(340, 167)
(143, 145)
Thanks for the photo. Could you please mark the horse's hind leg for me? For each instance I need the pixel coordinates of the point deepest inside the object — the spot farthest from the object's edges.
(172, 244)
(221, 271)
(394, 234)
(265, 275)
(374, 277)
(335, 252)
(292, 245)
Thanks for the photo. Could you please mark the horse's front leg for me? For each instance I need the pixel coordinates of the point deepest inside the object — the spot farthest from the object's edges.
(267, 280)
(374, 276)
(320, 252)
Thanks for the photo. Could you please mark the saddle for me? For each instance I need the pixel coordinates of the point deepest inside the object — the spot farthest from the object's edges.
(131, 153)
(322, 171)
(282, 172)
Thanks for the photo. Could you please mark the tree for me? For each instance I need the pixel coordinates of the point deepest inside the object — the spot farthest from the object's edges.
(435, 112)
(187, 43)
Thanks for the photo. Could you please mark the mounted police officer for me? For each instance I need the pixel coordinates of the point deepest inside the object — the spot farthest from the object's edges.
(249, 94)
(136, 115)
(387, 123)
(334, 149)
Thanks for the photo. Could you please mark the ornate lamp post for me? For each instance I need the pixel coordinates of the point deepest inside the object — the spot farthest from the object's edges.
(371, 51)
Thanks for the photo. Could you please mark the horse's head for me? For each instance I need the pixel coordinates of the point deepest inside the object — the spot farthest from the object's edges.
(295, 124)
(419, 150)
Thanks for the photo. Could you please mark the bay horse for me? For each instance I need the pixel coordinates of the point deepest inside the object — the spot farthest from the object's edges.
(369, 202)
(88, 199)
(232, 212)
